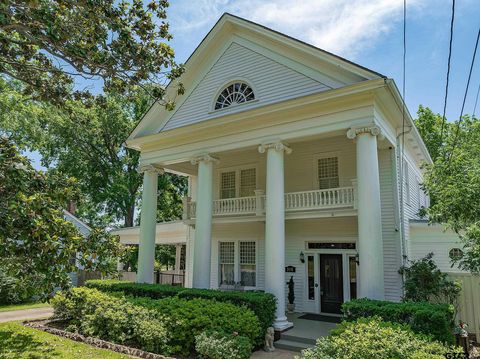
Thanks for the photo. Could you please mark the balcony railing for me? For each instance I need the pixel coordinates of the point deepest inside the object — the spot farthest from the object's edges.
(333, 198)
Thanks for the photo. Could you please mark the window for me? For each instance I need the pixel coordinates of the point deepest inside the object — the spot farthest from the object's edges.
(228, 185)
(227, 263)
(455, 254)
(328, 172)
(238, 183)
(234, 94)
(238, 263)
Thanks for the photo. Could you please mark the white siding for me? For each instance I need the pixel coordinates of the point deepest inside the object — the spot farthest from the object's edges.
(272, 82)
(392, 256)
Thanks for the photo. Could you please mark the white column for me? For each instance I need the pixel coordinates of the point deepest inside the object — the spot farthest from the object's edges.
(148, 223)
(178, 257)
(203, 222)
(275, 230)
(370, 243)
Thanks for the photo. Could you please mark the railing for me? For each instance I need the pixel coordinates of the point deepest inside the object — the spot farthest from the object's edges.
(342, 197)
(170, 278)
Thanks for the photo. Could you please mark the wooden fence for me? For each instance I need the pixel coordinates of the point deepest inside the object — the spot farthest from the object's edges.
(469, 301)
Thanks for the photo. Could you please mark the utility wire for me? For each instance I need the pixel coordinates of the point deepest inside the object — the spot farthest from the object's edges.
(448, 72)
(476, 101)
(464, 97)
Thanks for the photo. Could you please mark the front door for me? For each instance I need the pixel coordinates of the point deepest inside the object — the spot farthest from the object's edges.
(331, 283)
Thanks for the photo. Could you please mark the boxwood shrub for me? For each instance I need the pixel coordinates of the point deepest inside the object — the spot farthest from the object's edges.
(217, 345)
(262, 304)
(165, 326)
(436, 320)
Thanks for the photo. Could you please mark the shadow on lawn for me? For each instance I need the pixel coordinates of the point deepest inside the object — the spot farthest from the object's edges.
(14, 344)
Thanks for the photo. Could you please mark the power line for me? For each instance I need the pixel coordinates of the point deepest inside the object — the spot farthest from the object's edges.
(448, 71)
(465, 97)
(476, 101)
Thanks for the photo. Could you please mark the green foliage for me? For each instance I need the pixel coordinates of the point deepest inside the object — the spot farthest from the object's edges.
(262, 304)
(46, 43)
(291, 290)
(436, 320)
(453, 181)
(36, 242)
(424, 282)
(93, 313)
(373, 339)
(166, 326)
(10, 290)
(87, 143)
(216, 345)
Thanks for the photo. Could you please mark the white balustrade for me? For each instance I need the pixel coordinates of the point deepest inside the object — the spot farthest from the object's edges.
(342, 197)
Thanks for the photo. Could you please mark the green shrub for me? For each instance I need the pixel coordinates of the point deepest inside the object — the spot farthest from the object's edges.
(217, 345)
(96, 314)
(373, 339)
(184, 319)
(262, 304)
(436, 320)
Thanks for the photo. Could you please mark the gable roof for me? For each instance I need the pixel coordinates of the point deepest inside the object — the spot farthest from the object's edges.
(329, 69)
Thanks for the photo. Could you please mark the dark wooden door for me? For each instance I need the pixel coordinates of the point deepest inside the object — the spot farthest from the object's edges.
(331, 283)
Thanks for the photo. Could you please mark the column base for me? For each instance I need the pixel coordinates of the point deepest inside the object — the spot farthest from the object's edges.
(282, 324)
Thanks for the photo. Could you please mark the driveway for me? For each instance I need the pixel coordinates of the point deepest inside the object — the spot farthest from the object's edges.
(24, 314)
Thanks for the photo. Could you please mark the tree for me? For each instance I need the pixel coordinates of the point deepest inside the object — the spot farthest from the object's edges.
(453, 181)
(87, 142)
(37, 244)
(47, 43)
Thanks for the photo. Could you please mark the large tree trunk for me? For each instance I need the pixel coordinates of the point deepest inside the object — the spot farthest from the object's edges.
(129, 216)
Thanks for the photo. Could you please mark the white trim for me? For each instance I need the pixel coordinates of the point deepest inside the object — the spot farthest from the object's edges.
(236, 265)
(237, 169)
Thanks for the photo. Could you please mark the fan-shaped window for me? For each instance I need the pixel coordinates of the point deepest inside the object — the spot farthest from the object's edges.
(455, 254)
(234, 94)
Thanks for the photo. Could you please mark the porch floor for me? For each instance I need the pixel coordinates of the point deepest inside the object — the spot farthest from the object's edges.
(307, 329)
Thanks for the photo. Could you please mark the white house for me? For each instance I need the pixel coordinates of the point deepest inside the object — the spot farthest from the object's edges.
(294, 161)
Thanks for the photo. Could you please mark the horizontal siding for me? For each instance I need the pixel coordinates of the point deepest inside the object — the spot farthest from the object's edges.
(272, 82)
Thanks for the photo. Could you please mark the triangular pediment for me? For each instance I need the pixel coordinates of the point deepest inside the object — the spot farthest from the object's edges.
(277, 67)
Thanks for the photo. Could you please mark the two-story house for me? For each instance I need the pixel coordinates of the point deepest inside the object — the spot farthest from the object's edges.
(295, 167)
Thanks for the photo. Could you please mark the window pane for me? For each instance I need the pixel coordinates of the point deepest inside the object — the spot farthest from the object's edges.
(247, 264)
(352, 269)
(226, 263)
(328, 172)
(311, 277)
(248, 182)
(227, 185)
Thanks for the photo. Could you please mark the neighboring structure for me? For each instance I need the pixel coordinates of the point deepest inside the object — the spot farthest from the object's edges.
(294, 165)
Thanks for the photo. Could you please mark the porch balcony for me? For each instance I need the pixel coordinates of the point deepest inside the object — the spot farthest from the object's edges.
(303, 201)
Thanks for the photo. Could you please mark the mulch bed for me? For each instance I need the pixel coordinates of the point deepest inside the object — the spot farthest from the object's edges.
(53, 327)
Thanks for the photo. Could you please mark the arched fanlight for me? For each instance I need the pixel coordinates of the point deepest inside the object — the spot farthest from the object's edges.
(234, 94)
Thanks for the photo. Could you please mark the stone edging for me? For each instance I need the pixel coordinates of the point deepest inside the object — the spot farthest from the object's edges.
(99, 343)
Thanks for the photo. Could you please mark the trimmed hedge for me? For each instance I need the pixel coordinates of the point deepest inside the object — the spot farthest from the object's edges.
(262, 304)
(216, 345)
(164, 326)
(435, 320)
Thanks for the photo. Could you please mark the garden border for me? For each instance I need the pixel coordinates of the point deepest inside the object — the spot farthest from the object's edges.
(40, 324)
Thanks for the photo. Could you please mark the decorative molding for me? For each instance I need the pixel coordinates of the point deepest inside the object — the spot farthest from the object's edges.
(204, 158)
(151, 168)
(277, 146)
(352, 133)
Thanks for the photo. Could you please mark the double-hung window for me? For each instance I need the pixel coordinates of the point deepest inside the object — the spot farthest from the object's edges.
(328, 172)
(238, 183)
(238, 263)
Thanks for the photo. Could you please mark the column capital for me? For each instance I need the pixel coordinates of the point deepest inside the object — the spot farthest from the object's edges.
(204, 158)
(277, 146)
(151, 168)
(374, 130)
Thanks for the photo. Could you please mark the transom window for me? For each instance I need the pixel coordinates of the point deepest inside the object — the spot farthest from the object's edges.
(328, 172)
(238, 183)
(238, 263)
(234, 94)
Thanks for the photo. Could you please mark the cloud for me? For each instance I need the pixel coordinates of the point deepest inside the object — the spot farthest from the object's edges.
(344, 27)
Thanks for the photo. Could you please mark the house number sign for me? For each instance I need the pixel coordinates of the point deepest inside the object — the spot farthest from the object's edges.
(290, 269)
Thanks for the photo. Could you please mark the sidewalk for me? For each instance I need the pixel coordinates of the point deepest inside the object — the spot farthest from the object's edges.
(24, 314)
(277, 354)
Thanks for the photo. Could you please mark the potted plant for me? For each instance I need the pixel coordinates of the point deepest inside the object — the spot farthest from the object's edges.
(291, 295)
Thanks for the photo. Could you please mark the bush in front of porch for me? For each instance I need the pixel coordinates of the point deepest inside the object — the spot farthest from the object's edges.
(261, 303)
(436, 320)
(164, 326)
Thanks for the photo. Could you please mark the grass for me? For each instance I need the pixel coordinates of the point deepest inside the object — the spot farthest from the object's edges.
(19, 342)
(10, 307)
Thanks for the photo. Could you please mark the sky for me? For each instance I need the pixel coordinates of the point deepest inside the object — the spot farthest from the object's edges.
(368, 32)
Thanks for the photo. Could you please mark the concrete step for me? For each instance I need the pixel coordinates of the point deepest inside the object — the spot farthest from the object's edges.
(292, 345)
(294, 338)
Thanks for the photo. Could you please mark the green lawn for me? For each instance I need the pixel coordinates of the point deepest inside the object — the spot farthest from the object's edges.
(19, 342)
(8, 308)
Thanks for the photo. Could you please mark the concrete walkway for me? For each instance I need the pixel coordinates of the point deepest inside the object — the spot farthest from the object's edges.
(277, 354)
(24, 314)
